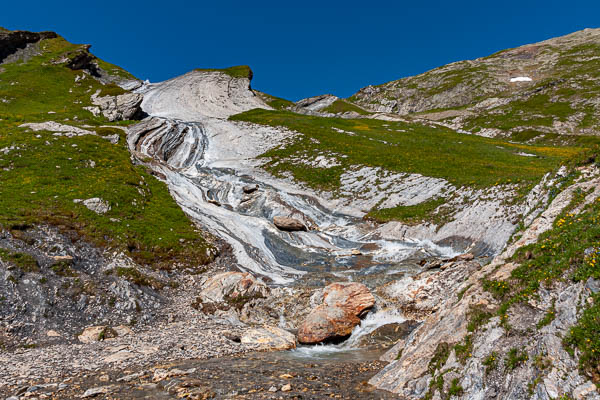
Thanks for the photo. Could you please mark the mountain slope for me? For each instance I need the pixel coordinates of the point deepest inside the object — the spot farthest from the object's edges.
(76, 216)
(547, 88)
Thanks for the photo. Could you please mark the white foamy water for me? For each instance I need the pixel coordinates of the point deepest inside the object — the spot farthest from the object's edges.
(367, 326)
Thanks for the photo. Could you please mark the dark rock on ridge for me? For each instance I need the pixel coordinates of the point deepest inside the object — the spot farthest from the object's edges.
(12, 41)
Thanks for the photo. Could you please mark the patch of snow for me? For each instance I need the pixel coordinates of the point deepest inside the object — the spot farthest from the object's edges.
(520, 79)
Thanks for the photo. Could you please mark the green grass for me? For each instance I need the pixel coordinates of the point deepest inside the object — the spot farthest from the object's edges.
(440, 356)
(438, 152)
(24, 262)
(44, 173)
(342, 106)
(114, 70)
(490, 362)
(536, 111)
(408, 214)
(515, 358)
(63, 269)
(276, 102)
(478, 316)
(548, 317)
(464, 350)
(585, 336)
(240, 71)
(455, 388)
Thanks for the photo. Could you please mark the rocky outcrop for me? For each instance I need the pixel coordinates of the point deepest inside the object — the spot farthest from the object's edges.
(342, 306)
(200, 94)
(95, 204)
(117, 108)
(420, 295)
(463, 343)
(12, 41)
(289, 224)
(233, 287)
(314, 104)
(488, 87)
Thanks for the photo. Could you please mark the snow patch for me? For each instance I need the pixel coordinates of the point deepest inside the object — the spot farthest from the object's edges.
(520, 79)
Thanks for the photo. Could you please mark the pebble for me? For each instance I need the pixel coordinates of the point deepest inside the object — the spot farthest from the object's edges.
(286, 388)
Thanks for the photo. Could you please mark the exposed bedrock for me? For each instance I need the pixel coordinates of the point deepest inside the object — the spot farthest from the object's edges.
(450, 299)
(117, 108)
(12, 41)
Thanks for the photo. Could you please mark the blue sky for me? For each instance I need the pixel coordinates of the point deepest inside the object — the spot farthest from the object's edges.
(300, 49)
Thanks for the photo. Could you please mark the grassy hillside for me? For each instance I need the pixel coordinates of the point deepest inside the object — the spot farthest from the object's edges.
(463, 160)
(42, 173)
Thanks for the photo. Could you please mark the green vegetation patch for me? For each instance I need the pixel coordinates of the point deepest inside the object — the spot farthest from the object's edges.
(240, 71)
(276, 102)
(515, 358)
(42, 174)
(585, 336)
(455, 388)
(464, 350)
(342, 106)
(408, 214)
(402, 147)
(24, 262)
(440, 356)
(490, 362)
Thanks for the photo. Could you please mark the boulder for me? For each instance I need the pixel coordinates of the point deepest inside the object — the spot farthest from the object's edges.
(289, 224)
(269, 338)
(96, 334)
(342, 306)
(327, 324)
(233, 287)
(351, 296)
(97, 205)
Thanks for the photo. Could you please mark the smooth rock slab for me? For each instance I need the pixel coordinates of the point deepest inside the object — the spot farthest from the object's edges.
(270, 338)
